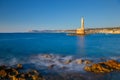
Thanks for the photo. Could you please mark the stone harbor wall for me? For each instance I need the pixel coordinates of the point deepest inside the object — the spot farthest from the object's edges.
(103, 30)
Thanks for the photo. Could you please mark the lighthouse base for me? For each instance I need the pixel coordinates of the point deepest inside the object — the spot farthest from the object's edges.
(80, 32)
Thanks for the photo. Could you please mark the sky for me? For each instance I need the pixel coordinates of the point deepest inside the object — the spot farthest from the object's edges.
(25, 15)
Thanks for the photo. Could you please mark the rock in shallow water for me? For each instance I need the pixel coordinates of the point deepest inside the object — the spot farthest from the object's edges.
(103, 67)
(87, 62)
(79, 61)
(51, 66)
(19, 66)
(3, 73)
(10, 73)
(68, 61)
(47, 56)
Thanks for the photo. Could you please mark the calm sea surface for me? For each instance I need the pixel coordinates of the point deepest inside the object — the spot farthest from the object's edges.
(94, 45)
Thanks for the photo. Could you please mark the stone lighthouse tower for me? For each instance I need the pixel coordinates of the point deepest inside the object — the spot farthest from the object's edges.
(81, 31)
(82, 23)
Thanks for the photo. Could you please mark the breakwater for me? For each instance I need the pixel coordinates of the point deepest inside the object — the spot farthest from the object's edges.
(114, 30)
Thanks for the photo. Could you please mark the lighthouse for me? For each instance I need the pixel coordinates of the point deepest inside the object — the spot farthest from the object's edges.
(81, 30)
(82, 23)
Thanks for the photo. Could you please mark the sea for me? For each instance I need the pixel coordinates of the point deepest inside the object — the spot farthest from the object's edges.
(30, 49)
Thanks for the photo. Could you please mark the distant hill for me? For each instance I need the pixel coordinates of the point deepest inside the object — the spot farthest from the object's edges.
(52, 31)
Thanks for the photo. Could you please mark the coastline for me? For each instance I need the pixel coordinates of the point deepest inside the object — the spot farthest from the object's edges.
(109, 30)
(53, 70)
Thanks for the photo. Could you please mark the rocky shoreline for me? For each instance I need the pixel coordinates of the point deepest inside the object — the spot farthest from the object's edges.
(18, 73)
(103, 67)
(59, 71)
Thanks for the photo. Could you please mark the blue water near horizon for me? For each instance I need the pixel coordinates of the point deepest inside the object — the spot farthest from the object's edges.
(32, 43)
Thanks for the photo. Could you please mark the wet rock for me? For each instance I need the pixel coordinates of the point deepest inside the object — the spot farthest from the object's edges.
(87, 62)
(2, 67)
(68, 61)
(47, 56)
(87, 68)
(19, 66)
(13, 78)
(51, 66)
(3, 73)
(113, 64)
(79, 61)
(35, 75)
(64, 67)
(21, 76)
(103, 67)
(10, 73)
(13, 72)
(97, 68)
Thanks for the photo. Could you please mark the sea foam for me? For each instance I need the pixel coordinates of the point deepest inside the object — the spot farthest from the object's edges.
(56, 62)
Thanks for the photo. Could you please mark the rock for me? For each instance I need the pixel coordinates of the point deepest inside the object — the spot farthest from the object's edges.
(19, 66)
(113, 64)
(97, 68)
(13, 78)
(64, 67)
(21, 76)
(13, 72)
(10, 73)
(87, 68)
(103, 67)
(87, 62)
(79, 61)
(21, 79)
(68, 61)
(33, 72)
(3, 73)
(35, 75)
(47, 56)
(51, 66)
(2, 67)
